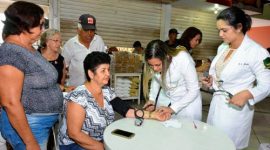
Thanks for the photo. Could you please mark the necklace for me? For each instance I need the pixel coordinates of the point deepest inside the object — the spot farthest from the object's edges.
(49, 55)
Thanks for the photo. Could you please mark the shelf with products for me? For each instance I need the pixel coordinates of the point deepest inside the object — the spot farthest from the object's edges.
(127, 86)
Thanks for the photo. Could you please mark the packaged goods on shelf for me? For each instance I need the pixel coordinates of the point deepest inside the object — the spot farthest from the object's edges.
(126, 62)
(127, 86)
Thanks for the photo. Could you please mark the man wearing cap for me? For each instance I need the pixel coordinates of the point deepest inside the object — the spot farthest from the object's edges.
(172, 42)
(76, 48)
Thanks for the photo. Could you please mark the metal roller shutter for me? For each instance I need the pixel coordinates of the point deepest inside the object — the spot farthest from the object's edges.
(119, 22)
(206, 22)
(40, 2)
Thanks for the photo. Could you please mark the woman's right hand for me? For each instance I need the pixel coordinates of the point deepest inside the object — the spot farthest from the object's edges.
(207, 81)
(149, 106)
(100, 146)
(161, 116)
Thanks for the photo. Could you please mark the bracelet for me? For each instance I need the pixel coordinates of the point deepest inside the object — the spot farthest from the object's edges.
(136, 113)
(150, 114)
(138, 119)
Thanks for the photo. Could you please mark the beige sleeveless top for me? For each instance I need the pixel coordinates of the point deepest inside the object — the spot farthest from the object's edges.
(222, 63)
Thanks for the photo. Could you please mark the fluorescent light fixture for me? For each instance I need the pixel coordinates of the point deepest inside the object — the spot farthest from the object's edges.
(216, 8)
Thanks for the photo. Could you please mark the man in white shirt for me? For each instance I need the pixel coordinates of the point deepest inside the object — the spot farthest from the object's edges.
(76, 48)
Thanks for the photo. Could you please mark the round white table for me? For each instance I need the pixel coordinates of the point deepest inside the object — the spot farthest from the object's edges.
(153, 135)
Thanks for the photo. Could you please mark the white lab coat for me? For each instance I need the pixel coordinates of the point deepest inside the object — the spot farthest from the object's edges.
(245, 66)
(183, 90)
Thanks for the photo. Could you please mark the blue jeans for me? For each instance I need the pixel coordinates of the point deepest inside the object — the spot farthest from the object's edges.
(73, 146)
(40, 125)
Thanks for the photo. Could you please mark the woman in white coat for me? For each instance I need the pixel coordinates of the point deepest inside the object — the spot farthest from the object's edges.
(172, 70)
(239, 76)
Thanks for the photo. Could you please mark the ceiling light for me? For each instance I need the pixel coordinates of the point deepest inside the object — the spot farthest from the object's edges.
(216, 8)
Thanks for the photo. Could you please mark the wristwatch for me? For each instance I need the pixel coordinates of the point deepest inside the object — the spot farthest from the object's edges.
(139, 114)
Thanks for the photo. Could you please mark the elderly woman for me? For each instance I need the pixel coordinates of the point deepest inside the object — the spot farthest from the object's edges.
(50, 44)
(30, 96)
(89, 109)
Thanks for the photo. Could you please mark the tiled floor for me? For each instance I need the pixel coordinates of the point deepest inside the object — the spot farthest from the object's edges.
(261, 121)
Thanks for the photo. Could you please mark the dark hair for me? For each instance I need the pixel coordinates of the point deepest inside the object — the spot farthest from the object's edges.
(188, 35)
(93, 60)
(137, 44)
(158, 49)
(173, 31)
(112, 49)
(268, 49)
(21, 16)
(234, 15)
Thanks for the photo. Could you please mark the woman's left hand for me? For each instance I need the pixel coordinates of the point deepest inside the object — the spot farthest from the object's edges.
(241, 98)
(165, 109)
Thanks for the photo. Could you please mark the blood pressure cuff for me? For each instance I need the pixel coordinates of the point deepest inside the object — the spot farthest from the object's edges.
(120, 106)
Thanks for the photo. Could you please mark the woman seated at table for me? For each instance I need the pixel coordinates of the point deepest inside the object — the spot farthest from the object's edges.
(89, 109)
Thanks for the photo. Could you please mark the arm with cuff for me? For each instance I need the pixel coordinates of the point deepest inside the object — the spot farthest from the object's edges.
(127, 111)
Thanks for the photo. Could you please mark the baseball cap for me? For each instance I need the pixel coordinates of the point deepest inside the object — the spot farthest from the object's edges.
(88, 22)
(173, 31)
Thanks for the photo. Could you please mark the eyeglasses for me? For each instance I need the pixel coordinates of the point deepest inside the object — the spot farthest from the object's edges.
(42, 25)
(56, 41)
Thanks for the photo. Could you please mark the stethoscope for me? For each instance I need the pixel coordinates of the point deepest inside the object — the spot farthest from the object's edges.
(139, 113)
(222, 91)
